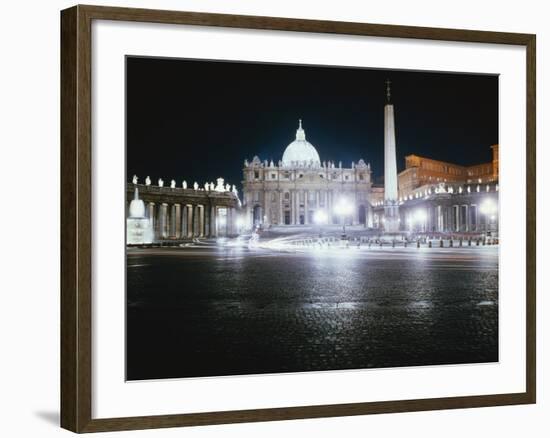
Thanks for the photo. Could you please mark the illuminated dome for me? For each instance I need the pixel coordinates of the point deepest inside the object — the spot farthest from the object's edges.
(300, 152)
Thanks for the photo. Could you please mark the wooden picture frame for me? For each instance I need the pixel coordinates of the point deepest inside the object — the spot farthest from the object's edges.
(76, 218)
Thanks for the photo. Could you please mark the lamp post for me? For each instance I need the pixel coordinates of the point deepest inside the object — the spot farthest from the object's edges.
(419, 218)
(320, 218)
(343, 208)
(489, 209)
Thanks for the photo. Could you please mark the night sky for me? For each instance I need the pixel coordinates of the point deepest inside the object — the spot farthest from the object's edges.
(198, 120)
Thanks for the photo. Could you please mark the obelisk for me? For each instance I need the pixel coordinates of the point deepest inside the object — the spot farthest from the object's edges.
(391, 206)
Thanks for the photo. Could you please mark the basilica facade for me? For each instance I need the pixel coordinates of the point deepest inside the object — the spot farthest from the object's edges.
(292, 191)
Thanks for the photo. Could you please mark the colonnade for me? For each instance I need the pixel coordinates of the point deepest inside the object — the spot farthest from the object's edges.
(448, 218)
(181, 220)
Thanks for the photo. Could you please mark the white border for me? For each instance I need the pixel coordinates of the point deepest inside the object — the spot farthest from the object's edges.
(112, 397)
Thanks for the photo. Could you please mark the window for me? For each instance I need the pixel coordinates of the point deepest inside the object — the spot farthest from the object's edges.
(287, 195)
(256, 174)
(273, 176)
(346, 177)
(361, 177)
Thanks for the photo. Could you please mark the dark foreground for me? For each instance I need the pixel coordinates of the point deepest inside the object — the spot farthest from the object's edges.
(210, 312)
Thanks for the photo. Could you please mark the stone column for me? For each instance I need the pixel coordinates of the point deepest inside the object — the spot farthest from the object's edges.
(162, 221)
(355, 216)
(265, 219)
(172, 222)
(292, 207)
(281, 216)
(213, 220)
(300, 197)
(230, 221)
(306, 207)
(151, 216)
(177, 221)
(201, 221)
(185, 221)
(206, 213)
(195, 230)
(296, 208)
(293, 195)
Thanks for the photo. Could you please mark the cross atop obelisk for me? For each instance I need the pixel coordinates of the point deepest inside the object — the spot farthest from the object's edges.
(388, 90)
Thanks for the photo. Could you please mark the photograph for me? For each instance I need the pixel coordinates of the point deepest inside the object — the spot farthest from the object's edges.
(285, 218)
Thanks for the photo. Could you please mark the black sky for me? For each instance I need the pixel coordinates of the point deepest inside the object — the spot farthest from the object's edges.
(198, 120)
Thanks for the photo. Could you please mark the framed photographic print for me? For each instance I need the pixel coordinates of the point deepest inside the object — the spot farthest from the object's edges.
(268, 218)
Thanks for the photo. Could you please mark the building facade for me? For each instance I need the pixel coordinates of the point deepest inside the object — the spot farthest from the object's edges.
(290, 192)
(421, 171)
(437, 196)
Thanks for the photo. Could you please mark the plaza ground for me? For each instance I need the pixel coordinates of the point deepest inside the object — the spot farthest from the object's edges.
(211, 310)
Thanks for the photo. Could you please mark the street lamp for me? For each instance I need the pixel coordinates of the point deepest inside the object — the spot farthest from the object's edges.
(488, 208)
(320, 218)
(343, 208)
(420, 218)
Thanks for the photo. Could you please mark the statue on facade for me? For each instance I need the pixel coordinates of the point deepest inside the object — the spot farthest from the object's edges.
(196, 185)
(135, 179)
(161, 182)
(147, 181)
(219, 185)
(173, 184)
(207, 187)
(184, 184)
(227, 188)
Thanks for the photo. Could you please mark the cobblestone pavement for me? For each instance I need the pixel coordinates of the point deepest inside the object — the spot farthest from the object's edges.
(208, 311)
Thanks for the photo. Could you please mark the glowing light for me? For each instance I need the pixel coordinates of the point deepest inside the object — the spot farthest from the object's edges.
(320, 217)
(343, 207)
(488, 207)
(420, 216)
